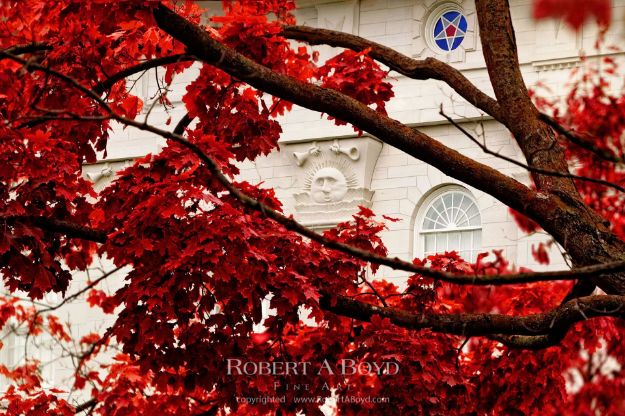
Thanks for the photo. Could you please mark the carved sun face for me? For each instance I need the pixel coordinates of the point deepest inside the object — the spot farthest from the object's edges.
(328, 185)
(329, 180)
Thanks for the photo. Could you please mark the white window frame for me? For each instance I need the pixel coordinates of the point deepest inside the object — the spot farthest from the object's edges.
(419, 233)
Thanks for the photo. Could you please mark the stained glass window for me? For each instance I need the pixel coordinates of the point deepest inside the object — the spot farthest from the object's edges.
(450, 30)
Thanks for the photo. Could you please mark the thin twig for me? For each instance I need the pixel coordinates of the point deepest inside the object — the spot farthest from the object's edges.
(80, 292)
(143, 66)
(579, 141)
(525, 166)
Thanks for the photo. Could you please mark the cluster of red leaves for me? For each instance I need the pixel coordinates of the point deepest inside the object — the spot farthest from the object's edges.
(40, 163)
(40, 403)
(26, 393)
(245, 129)
(574, 12)
(245, 27)
(357, 75)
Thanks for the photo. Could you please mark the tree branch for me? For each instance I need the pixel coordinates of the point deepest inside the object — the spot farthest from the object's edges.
(183, 124)
(79, 292)
(429, 68)
(528, 342)
(66, 228)
(579, 141)
(558, 209)
(581, 231)
(556, 320)
(28, 48)
(533, 169)
(293, 225)
(89, 404)
(143, 66)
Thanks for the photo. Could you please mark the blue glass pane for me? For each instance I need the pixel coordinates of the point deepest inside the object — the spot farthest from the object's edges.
(463, 24)
(457, 42)
(438, 27)
(451, 15)
(442, 44)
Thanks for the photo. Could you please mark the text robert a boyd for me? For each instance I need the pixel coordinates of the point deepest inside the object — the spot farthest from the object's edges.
(344, 366)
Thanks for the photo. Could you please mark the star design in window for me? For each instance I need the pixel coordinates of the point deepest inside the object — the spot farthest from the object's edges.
(450, 30)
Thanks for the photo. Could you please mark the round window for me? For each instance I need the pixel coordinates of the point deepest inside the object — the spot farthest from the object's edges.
(449, 30)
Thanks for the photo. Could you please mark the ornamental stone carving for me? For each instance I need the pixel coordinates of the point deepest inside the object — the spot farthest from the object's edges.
(328, 185)
(103, 173)
(333, 178)
(328, 181)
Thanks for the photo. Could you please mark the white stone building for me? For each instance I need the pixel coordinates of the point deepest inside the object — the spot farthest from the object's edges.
(322, 172)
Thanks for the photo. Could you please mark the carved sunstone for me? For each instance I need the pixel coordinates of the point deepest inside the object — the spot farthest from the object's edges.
(333, 178)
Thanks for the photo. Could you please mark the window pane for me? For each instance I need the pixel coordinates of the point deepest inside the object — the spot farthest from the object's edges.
(438, 206)
(429, 244)
(428, 224)
(435, 217)
(454, 241)
(476, 221)
(463, 220)
(452, 210)
(465, 204)
(441, 242)
(448, 200)
(453, 214)
(477, 239)
(472, 212)
(466, 243)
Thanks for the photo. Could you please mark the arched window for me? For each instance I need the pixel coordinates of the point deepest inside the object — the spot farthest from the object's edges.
(450, 221)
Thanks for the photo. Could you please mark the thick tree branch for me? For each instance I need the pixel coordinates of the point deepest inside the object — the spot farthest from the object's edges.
(28, 48)
(183, 124)
(527, 342)
(66, 228)
(557, 320)
(581, 231)
(291, 224)
(395, 263)
(429, 68)
(559, 209)
(519, 113)
(88, 405)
